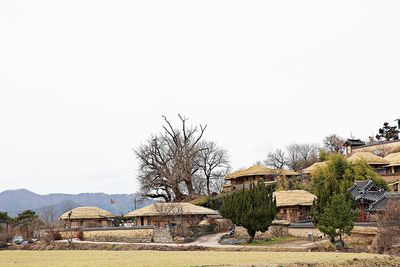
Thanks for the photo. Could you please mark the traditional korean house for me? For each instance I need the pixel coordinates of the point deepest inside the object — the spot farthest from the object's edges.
(87, 217)
(353, 144)
(294, 205)
(371, 199)
(309, 171)
(376, 162)
(385, 147)
(392, 174)
(365, 193)
(385, 202)
(244, 179)
(162, 214)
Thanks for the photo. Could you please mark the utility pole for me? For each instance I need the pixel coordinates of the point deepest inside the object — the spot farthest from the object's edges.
(69, 230)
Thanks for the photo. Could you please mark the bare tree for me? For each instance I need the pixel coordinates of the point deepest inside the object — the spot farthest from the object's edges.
(48, 215)
(301, 156)
(214, 165)
(388, 228)
(276, 159)
(334, 143)
(169, 166)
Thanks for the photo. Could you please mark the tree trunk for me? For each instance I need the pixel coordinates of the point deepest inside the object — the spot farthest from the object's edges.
(208, 185)
(251, 233)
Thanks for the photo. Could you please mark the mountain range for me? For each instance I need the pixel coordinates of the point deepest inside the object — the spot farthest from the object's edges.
(16, 201)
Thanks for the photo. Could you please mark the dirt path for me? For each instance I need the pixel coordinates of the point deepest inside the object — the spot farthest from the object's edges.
(211, 241)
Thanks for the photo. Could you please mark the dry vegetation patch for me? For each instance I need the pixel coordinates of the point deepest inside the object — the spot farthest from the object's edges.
(189, 258)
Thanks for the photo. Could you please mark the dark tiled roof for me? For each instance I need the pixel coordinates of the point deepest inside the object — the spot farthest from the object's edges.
(361, 190)
(385, 201)
(378, 198)
(354, 142)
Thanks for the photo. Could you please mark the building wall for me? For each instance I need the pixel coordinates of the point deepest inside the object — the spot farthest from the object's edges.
(88, 223)
(293, 214)
(185, 220)
(389, 147)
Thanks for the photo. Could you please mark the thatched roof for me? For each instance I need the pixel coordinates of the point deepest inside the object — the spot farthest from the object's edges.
(87, 213)
(259, 170)
(369, 157)
(294, 198)
(393, 159)
(171, 209)
(313, 168)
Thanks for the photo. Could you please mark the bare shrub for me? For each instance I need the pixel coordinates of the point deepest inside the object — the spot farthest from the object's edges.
(278, 230)
(388, 229)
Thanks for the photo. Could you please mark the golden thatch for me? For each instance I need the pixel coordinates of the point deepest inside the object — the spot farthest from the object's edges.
(369, 157)
(313, 168)
(294, 198)
(258, 170)
(393, 159)
(171, 209)
(87, 213)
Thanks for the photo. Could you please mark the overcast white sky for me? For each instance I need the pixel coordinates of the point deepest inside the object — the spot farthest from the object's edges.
(84, 82)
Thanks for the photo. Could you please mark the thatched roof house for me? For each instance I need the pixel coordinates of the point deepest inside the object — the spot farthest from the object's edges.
(250, 176)
(393, 159)
(87, 217)
(167, 213)
(294, 198)
(313, 168)
(369, 157)
(294, 205)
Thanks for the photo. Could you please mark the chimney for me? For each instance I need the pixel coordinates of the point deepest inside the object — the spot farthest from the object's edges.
(398, 123)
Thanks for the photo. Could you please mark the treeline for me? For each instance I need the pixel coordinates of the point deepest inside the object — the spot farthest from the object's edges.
(25, 224)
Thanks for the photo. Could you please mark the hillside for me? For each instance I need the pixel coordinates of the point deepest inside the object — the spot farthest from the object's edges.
(15, 201)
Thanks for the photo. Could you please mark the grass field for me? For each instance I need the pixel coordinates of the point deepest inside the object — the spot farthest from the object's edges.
(57, 258)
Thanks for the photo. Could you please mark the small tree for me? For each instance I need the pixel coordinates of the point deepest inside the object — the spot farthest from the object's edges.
(28, 220)
(254, 209)
(5, 221)
(334, 143)
(338, 217)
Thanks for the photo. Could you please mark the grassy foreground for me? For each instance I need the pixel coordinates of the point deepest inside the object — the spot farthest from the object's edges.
(58, 258)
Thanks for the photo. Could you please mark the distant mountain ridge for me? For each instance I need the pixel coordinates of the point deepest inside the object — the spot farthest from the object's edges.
(16, 201)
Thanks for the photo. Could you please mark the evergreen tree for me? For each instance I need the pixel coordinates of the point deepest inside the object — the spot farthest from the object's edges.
(254, 209)
(387, 133)
(28, 220)
(336, 178)
(338, 217)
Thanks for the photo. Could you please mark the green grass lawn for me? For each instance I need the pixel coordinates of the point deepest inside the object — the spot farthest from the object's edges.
(78, 258)
(273, 241)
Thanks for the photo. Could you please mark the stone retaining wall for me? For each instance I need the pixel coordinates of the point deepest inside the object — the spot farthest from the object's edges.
(134, 235)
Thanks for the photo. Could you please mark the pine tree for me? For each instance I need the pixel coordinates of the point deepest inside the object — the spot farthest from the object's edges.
(338, 217)
(254, 209)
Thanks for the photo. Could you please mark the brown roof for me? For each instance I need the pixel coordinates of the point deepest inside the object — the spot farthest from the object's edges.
(87, 213)
(311, 169)
(259, 170)
(294, 198)
(166, 209)
(369, 157)
(393, 159)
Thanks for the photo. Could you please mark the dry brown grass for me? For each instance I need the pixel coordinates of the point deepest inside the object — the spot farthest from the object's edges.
(183, 258)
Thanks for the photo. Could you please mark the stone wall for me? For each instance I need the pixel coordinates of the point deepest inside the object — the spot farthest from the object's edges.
(360, 234)
(162, 235)
(133, 235)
